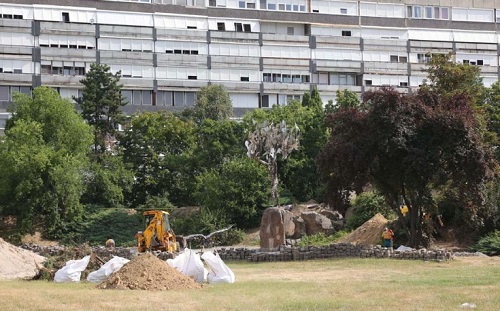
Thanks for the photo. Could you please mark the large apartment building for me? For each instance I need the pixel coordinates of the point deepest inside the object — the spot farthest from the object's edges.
(265, 52)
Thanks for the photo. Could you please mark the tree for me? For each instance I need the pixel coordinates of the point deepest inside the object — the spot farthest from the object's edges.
(158, 147)
(212, 102)
(345, 99)
(267, 142)
(218, 141)
(238, 191)
(44, 154)
(408, 146)
(101, 104)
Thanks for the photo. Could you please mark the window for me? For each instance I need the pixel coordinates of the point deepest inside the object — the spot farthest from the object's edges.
(296, 7)
(276, 77)
(394, 58)
(271, 6)
(250, 5)
(302, 8)
(192, 77)
(436, 12)
(247, 28)
(368, 82)
(238, 27)
(444, 13)
(423, 58)
(65, 17)
(417, 12)
(465, 61)
(266, 77)
(241, 4)
(192, 27)
(403, 84)
(343, 11)
(290, 30)
(18, 16)
(288, 7)
(212, 3)
(428, 12)
(286, 78)
(403, 59)
(409, 11)
(480, 62)
(265, 101)
(244, 79)
(221, 26)
(346, 33)
(281, 7)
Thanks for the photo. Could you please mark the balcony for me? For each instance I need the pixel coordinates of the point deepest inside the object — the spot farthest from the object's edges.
(182, 60)
(59, 80)
(181, 34)
(125, 31)
(63, 54)
(386, 68)
(121, 57)
(16, 78)
(67, 29)
(235, 37)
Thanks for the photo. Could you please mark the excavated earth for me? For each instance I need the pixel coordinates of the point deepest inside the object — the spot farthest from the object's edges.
(369, 233)
(147, 272)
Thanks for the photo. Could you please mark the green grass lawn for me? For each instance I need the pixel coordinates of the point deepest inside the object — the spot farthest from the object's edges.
(343, 284)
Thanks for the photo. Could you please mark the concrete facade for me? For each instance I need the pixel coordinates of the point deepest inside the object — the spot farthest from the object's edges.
(265, 52)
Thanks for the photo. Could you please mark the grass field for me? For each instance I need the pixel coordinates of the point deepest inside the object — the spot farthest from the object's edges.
(344, 284)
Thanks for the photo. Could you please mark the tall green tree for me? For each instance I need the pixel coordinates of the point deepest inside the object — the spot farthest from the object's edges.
(212, 102)
(217, 142)
(43, 155)
(159, 146)
(101, 104)
(409, 146)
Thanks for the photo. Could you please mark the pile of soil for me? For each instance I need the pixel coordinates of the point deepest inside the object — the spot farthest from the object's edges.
(147, 272)
(368, 233)
(18, 263)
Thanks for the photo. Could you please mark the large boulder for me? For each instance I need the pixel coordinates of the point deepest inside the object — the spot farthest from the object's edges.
(316, 223)
(272, 230)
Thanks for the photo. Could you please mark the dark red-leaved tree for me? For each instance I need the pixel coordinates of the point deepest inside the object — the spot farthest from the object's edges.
(407, 146)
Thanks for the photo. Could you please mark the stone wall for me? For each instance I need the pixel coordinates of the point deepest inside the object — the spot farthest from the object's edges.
(283, 253)
(339, 250)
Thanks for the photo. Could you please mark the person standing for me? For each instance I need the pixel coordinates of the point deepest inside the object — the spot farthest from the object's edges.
(387, 236)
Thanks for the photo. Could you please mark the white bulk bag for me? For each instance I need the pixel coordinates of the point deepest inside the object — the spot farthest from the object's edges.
(189, 263)
(72, 271)
(220, 272)
(113, 265)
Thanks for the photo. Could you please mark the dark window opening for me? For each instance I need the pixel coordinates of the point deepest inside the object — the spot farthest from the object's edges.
(265, 101)
(244, 79)
(238, 27)
(315, 11)
(169, 51)
(185, 52)
(246, 28)
(404, 84)
(194, 52)
(18, 17)
(221, 26)
(346, 33)
(192, 27)
(368, 82)
(177, 51)
(192, 77)
(65, 17)
(480, 62)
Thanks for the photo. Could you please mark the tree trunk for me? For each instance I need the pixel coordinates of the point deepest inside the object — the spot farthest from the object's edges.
(273, 174)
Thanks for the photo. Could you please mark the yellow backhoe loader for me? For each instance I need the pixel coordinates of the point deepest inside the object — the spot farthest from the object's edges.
(158, 234)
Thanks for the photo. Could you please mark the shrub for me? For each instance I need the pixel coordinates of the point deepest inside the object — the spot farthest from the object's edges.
(321, 239)
(489, 244)
(365, 206)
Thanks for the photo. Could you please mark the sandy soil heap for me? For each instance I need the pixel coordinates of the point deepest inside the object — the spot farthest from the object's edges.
(18, 263)
(368, 233)
(147, 272)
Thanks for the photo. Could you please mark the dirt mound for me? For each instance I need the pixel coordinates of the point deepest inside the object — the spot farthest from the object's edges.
(18, 263)
(147, 272)
(368, 233)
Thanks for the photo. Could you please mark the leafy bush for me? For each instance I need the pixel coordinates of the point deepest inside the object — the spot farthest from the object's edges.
(489, 244)
(99, 224)
(321, 239)
(239, 191)
(365, 206)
